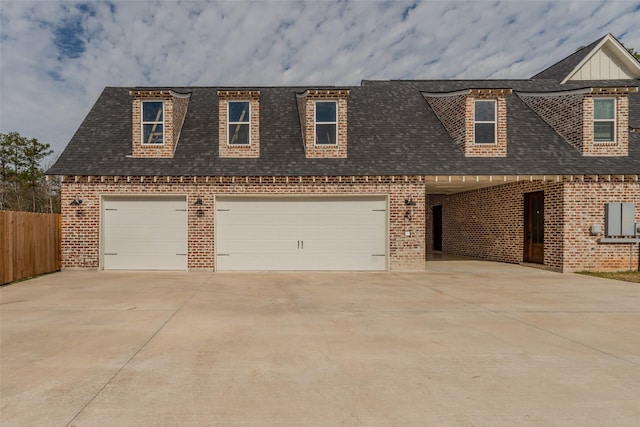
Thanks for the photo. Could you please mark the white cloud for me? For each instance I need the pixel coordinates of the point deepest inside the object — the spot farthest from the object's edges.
(45, 93)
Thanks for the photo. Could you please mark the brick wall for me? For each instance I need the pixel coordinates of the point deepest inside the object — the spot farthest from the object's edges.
(563, 113)
(180, 106)
(451, 112)
(585, 206)
(80, 236)
(306, 101)
(486, 223)
(239, 150)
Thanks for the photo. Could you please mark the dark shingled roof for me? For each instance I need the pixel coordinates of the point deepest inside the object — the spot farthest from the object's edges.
(391, 131)
(560, 70)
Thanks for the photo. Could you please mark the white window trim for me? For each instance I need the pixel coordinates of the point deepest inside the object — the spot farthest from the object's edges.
(614, 120)
(142, 122)
(494, 122)
(315, 123)
(229, 122)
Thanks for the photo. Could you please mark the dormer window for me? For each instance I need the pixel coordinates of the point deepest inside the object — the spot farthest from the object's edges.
(152, 122)
(239, 124)
(485, 121)
(156, 121)
(323, 122)
(326, 124)
(604, 119)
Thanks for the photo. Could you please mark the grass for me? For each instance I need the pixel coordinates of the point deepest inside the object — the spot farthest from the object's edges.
(627, 276)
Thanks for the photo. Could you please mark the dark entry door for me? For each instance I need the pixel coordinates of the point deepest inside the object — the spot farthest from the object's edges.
(534, 227)
(437, 228)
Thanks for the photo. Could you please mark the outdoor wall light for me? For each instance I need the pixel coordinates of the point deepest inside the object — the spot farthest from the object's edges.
(409, 201)
(200, 213)
(76, 202)
(198, 202)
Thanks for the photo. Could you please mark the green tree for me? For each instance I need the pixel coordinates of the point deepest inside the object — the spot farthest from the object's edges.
(633, 52)
(23, 184)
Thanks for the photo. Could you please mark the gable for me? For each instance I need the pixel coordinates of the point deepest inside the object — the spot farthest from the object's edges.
(604, 64)
(608, 60)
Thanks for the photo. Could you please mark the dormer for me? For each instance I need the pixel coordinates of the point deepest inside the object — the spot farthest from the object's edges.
(476, 119)
(595, 121)
(323, 119)
(157, 120)
(239, 123)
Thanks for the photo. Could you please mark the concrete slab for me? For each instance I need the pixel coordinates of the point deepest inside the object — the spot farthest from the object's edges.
(464, 343)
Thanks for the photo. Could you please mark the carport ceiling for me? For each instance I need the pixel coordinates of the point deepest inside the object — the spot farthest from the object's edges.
(451, 184)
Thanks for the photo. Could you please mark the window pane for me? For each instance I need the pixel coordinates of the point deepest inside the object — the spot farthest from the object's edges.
(604, 109)
(153, 134)
(152, 111)
(485, 111)
(325, 111)
(603, 131)
(485, 133)
(239, 112)
(326, 134)
(239, 134)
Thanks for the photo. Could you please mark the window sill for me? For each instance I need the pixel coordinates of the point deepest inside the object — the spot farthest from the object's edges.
(619, 240)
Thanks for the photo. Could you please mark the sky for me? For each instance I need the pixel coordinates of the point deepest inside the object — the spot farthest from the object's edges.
(56, 57)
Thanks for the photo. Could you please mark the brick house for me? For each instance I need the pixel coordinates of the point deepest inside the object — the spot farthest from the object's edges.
(372, 177)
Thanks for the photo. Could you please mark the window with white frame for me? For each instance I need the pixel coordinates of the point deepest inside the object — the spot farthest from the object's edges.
(485, 121)
(152, 122)
(604, 119)
(326, 122)
(239, 122)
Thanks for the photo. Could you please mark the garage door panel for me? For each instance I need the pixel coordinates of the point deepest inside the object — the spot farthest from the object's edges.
(145, 233)
(125, 261)
(249, 232)
(258, 261)
(342, 263)
(323, 233)
(257, 246)
(363, 247)
(240, 218)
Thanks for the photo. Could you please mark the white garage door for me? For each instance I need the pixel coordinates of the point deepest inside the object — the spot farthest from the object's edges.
(145, 233)
(324, 233)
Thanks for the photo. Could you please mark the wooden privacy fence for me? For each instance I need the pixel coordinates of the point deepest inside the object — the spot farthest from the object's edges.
(29, 244)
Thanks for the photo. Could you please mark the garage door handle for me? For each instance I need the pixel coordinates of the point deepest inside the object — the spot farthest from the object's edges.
(111, 253)
(182, 254)
(378, 255)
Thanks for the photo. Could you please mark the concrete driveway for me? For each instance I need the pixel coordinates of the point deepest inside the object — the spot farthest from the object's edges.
(465, 343)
